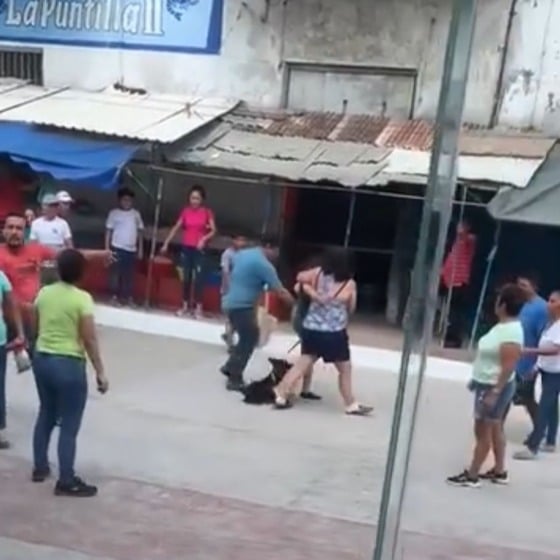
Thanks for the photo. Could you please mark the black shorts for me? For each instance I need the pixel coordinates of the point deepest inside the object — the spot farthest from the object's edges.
(329, 346)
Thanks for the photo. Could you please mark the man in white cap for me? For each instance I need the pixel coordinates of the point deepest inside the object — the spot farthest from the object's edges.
(52, 231)
(65, 201)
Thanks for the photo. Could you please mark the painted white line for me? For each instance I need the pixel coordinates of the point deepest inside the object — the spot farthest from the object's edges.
(209, 333)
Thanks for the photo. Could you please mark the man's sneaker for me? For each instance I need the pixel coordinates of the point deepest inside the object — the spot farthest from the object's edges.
(235, 385)
(525, 455)
(4, 443)
(310, 396)
(75, 489)
(547, 448)
(495, 477)
(464, 480)
(40, 475)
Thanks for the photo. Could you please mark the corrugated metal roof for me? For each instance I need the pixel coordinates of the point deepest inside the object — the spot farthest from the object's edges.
(145, 117)
(416, 135)
(292, 159)
(345, 163)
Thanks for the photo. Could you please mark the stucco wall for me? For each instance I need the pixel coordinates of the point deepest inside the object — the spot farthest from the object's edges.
(531, 95)
(408, 33)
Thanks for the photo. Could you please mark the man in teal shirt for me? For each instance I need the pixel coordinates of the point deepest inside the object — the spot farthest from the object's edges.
(251, 273)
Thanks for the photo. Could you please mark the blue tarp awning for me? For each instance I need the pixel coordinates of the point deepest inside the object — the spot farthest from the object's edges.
(92, 162)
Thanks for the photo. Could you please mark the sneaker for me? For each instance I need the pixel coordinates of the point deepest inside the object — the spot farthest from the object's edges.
(494, 477)
(184, 310)
(40, 475)
(310, 396)
(525, 455)
(198, 313)
(4, 442)
(547, 448)
(235, 385)
(359, 410)
(464, 480)
(76, 489)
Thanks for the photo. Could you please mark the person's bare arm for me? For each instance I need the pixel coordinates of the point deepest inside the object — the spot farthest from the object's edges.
(108, 235)
(307, 276)
(171, 235)
(553, 350)
(211, 232)
(14, 312)
(509, 356)
(88, 335)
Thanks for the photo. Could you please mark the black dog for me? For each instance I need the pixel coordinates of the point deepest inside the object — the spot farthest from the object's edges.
(262, 391)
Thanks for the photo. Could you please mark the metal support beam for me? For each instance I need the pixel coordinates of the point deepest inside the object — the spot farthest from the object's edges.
(423, 300)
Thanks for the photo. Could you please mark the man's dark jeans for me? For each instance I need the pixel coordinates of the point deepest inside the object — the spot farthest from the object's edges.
(547, 415)
(62, 387)
(244, 323)
(122, 273)
(3, 354)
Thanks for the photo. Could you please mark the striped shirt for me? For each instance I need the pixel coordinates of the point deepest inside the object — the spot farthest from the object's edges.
(458, 264)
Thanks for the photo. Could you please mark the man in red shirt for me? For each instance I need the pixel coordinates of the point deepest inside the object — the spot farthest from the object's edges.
(455, 279)
(21, 263)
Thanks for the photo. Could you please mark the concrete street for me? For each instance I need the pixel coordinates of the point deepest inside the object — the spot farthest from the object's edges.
(186, 471)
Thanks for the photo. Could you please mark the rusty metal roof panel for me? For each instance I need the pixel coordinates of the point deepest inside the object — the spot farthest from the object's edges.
(360, 128)
(316, 126)
(517, 146)
(407, 135)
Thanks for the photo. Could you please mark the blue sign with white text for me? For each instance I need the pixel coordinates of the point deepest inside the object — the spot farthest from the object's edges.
(193, 26)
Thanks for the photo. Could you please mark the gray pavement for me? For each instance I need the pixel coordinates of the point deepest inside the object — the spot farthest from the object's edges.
(167, 421)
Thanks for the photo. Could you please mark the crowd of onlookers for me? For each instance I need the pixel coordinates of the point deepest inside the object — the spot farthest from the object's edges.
(523, 346)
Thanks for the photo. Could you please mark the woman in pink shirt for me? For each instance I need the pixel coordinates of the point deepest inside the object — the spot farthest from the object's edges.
(198, 226)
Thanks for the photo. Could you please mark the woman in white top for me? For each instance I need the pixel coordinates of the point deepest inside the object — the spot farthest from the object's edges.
(548, 365)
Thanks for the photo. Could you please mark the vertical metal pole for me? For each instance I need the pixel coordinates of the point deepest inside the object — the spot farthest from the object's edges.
(484, 289)
(153, 243)
(350, 221)
(436, 214)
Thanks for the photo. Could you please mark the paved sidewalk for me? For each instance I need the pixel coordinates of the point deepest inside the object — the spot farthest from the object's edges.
(187, 471)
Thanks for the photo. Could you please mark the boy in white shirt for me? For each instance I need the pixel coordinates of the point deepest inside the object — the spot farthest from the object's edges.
(124, 238)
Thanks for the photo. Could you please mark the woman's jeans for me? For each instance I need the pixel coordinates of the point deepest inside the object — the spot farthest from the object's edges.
(3, 354)
(62, 387)
(244, 323)
(547, 415)
(192, 264)
(122, 273)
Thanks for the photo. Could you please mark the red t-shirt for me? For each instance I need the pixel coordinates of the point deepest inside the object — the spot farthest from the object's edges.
(196, 224)
(457, 266)
(22, 267)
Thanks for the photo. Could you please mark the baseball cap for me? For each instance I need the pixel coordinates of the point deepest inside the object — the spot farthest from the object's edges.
(64, 197)
(49, 199)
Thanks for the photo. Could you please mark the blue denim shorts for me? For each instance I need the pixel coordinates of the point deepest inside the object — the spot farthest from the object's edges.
(500, 407)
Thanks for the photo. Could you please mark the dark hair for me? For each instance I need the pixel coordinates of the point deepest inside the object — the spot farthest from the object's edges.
(198, 189)
(71, 265)
(338, 262)
(512, 298)
(125, 191)
(531, 276)
(268, 240)
(14, 215)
